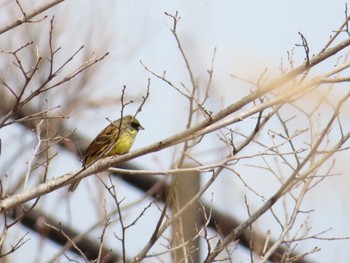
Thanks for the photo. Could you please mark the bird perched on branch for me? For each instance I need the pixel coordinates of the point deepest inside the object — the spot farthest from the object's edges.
(116, 138)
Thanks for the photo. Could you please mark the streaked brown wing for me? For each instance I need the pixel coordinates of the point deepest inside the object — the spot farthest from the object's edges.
(105, 139)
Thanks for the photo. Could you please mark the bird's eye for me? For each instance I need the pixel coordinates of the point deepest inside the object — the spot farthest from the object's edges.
(135, 125)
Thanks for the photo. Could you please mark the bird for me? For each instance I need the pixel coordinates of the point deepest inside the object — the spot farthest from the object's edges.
(116, 139)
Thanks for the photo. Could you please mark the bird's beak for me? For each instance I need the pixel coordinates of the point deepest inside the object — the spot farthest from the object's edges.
(141, 128)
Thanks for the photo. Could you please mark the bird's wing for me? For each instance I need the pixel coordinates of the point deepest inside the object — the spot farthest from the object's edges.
(102, 142)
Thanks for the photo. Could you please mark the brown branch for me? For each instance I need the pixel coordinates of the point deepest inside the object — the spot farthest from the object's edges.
(287, 185)
(30, 15)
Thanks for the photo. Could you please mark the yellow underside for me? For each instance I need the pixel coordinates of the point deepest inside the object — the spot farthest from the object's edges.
(124, 143)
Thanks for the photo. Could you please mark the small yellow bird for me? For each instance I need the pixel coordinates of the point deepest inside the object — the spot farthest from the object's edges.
(116, 138)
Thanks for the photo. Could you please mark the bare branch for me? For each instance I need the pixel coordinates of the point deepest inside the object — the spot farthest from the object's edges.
(30, 15)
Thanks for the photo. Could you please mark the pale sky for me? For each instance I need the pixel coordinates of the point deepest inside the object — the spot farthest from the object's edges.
(249, 36)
